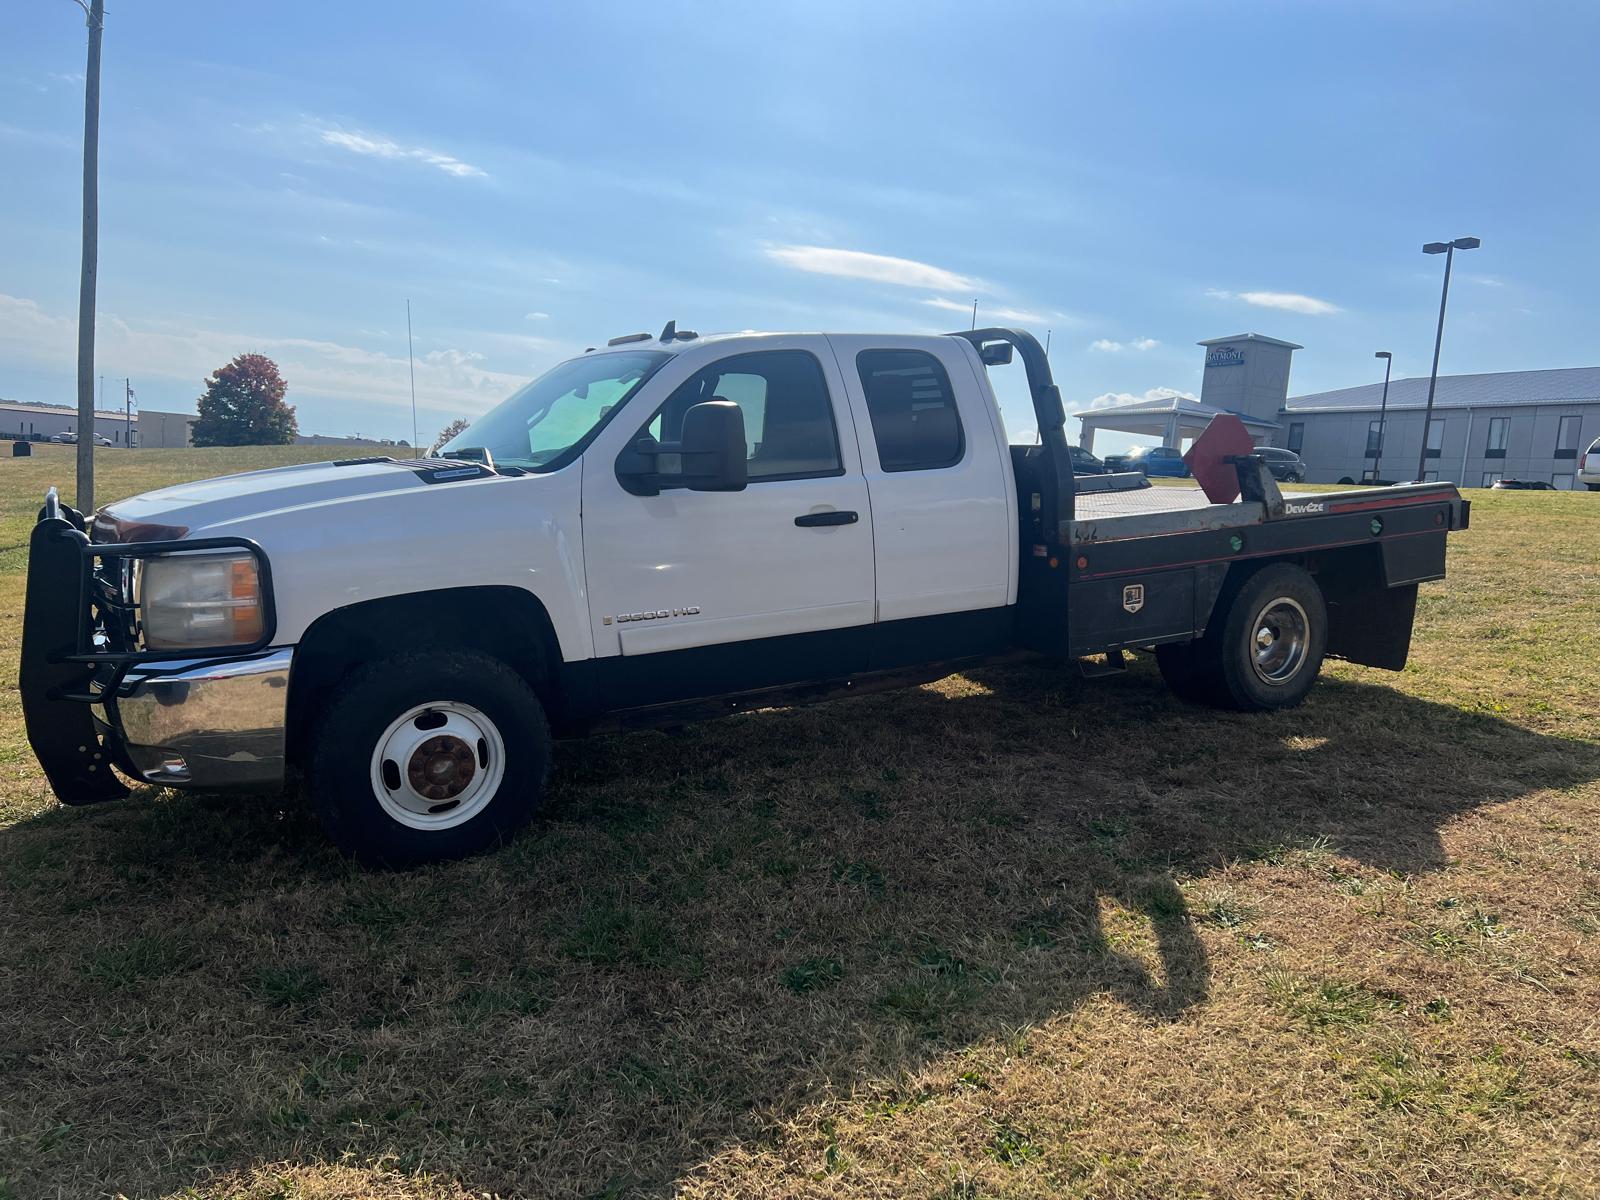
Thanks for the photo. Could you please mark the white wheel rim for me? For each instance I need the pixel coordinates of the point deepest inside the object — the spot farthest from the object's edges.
(438, 765)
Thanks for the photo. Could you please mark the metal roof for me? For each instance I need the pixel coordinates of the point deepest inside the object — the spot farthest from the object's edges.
(60, 410)
(1181, 405)
(1250, 337)
(1565, 385)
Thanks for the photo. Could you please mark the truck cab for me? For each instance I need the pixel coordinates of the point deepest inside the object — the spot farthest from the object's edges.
(660, 530)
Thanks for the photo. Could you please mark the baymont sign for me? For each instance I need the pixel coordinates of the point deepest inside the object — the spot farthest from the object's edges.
(1225, 356)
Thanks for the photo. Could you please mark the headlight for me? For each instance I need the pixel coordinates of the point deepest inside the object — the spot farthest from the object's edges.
(190, 601)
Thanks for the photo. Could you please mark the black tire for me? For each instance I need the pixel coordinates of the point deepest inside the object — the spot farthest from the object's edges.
(443, 701)
(1270, 645)
(1219, 669)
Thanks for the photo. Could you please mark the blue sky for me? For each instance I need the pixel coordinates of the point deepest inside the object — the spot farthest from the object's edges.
(535, 178)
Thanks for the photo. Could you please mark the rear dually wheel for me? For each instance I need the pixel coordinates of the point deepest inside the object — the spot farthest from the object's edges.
(1261, 652)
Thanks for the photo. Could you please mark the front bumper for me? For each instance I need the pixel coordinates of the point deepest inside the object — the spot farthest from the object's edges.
(209, 718)
(214, 725)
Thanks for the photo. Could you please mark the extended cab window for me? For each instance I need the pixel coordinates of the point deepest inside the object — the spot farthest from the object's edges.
(788, 415)
(913, 408)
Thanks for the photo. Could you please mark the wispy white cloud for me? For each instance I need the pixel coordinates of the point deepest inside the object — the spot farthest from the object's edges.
(1111, 399)
(880, 268)
(453, 380)
(538, 316)
(382, 147)
(1109, 347)
(989, 312)
(1292, 301)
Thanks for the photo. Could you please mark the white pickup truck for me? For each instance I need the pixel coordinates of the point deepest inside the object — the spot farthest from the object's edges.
(663, 530)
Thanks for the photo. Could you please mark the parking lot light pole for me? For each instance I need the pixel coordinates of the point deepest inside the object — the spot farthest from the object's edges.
(1383, 411)
(1448, 249)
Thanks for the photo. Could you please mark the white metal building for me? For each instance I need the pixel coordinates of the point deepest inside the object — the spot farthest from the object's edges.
(1247, 375)
(37, 422)
(1509, 425)
(1531, 425)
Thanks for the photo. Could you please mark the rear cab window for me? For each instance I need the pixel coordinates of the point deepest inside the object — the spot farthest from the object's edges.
(913, 409)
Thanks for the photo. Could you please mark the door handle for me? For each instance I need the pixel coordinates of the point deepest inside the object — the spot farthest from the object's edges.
(812, 520)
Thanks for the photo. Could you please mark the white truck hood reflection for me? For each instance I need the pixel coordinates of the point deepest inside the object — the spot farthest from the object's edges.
(189, 508)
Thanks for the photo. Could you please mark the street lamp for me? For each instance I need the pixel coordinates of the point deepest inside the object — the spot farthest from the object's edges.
(1448, 249)
(1383, 411)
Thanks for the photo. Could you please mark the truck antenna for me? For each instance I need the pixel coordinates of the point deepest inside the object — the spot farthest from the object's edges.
(411, 362)
(974, 313)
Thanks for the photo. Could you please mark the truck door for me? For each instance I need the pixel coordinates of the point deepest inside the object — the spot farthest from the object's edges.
(703, 593)
(943, 519)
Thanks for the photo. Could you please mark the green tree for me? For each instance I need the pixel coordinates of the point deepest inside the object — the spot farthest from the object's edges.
(243, 406)
(450, 431)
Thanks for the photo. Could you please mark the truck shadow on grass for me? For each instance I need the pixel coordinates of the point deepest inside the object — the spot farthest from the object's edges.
(699, 936)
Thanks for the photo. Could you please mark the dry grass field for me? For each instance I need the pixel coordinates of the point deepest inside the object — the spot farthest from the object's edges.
(1013, 934)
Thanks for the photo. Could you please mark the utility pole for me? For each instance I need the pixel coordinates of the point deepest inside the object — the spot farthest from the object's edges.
(96, 11)
(127, 413)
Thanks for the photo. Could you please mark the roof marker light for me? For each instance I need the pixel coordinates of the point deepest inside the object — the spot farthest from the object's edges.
(632, 337)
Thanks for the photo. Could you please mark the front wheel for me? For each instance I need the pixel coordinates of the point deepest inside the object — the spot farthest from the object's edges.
(428, 756)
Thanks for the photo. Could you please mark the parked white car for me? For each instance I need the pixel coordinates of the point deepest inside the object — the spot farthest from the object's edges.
(1589, 467)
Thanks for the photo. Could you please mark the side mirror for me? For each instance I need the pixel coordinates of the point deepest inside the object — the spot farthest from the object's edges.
(710, 456)
(996, 354)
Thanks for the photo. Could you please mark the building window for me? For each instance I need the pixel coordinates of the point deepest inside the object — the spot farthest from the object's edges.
(1499, 434)
(1562, 483)
(1567, 437)
(1435, 444)
(1430, 477)
(1489, 477)
(1297, 436)
(1374, 439)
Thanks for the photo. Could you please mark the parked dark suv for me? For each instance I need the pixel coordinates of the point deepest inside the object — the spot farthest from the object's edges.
(1084, 463)
(1285, 465)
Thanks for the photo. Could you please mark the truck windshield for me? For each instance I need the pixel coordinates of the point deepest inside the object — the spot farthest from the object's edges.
(547, 424)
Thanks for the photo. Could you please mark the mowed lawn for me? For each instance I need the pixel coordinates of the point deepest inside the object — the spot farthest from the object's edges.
(1012, 934)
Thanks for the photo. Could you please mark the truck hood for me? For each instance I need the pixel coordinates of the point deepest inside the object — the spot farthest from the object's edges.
(188, 508)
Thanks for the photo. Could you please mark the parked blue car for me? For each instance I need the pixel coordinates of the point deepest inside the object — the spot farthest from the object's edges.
(1151, 460)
